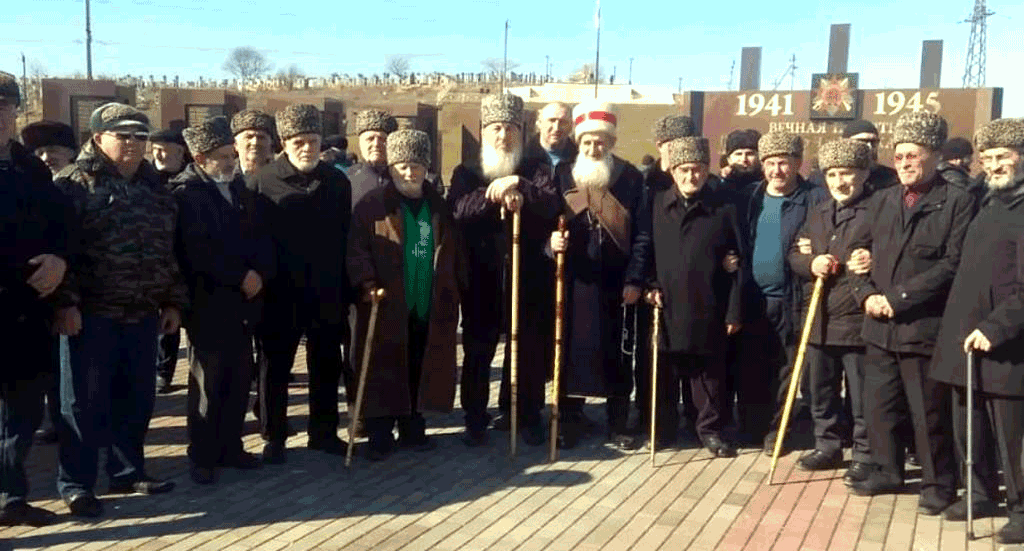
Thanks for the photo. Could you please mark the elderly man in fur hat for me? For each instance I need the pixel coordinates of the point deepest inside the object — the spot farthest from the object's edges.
(915, 240)
(404, 241)
(985, 315)
(372, 129)
(126, 289)
(694, 228)
(308, 210)
(53, 142)
(607, 246)
(835, 344)
(225, 254)
(253, 132)
(504, 179)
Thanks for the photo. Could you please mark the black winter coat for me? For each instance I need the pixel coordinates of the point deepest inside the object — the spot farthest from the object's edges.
(914, 256)
(988, 295)
(309, 216)
(365, 178)
(699, 296)
(217, 244)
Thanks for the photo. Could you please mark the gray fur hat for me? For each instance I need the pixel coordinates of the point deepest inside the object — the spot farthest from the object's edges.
(409, 146)
(208, 135)
(922, 128)
(1000, 133)
(773, 144)
(670, 127)
(9, 90)
(688, 149)
(110, 116)
(252, 119)
(501, 108)
(844, 153)
(299, 119)
(375, 120)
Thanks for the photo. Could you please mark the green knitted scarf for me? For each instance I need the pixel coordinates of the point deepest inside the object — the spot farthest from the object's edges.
(419, 259)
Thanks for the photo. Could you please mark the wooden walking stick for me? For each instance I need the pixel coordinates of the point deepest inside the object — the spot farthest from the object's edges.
(794, 380)
(514, 334)
(556, 387)
(655, 330)
(376, 295)
(969, 460)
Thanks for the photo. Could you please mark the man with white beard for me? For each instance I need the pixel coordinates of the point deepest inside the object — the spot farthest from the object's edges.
(502, 179)
(607, 246)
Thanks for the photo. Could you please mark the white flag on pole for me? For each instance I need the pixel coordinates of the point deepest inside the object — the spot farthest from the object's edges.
(597, 15)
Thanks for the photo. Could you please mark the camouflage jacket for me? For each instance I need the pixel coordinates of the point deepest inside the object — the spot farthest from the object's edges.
(123, 265)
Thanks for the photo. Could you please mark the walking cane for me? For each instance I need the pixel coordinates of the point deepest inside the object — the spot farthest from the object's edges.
(655, 330)
(969, 462)
(794, 381)
(376, 295)
(556, 387)
(514, 334)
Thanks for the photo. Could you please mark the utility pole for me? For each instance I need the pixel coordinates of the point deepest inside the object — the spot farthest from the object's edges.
(88, 42)
(680, 85)
(732, 71)
(597, 51)
(24, 76)
(630, 71)
(504, 65)
(547, 68)
(974, 72)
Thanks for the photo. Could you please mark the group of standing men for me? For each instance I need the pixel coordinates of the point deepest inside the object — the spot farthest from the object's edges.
(250, 244)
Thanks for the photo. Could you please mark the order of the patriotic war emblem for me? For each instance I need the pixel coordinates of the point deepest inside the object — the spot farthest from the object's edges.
(834, 96)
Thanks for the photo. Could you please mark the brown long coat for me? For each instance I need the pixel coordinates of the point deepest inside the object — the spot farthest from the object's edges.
(376, 254)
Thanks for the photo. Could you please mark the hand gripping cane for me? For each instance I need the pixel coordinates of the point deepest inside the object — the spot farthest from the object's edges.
(796, 372)
(655, 330)
(376, 295)
(556, 387)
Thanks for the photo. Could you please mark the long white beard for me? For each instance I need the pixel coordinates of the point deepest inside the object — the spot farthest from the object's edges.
(589, 173)
(498, 164)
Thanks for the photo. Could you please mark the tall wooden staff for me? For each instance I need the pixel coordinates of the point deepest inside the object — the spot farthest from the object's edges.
(969, 460)
(556, 387)
(376, 295)
(514, 333)
(655, 330)
(794, 380)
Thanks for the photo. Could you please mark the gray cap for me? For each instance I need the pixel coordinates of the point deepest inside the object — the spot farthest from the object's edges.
(409, 146)
(844, 153)
(111, 116)
(671, 127)
(501, 108)
(208, 135)
(252, 119)
(299, 119)
(375, 120)
(1000, 133)
(921, 128)
(774, 144)
(688, 149)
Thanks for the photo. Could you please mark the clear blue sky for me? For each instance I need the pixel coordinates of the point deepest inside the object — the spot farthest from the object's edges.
(697, 41)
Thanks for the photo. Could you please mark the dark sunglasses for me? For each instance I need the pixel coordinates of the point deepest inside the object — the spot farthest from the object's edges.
(125, 136)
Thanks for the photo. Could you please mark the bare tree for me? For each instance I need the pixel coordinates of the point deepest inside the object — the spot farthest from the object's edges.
(246, 63)
(585, 75)
(494, 66)
(291, 74)
(36, 69)
(398, 65)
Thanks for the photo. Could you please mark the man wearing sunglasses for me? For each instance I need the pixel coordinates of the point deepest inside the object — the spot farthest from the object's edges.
(125, 288)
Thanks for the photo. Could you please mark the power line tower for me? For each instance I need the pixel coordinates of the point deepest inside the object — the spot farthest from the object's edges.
(974, 72)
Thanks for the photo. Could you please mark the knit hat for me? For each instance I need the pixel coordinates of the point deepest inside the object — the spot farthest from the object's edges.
(1000, 133)
(169, 135)
(501, 108)
(208, 135)
(844, 153)
(921, 128)
(780, 143)
(111, 116)
(44, 133)
(409, 146)
(252, 119)
(859, 126)
(670, 127)
(375, 120)
(741, 139)
(956, 148)
(594, 116)
(688, 149)
(298, 119)
(9, 90)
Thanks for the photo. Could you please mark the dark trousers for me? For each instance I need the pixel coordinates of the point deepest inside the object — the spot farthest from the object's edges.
(531, 377)
(21, 405)
(411, 428)
(997, 430)
(475, 383)
(107, 395)
(761, 370)
(897, 390)
(218, 397)
(825, 368)
(325, 366)
(167, 355)
(705, 377)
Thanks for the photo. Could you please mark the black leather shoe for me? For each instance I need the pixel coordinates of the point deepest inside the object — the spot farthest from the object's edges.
(202, 475)
(1012, 533)
(417, 444)
(819, 460)
(273, 453)
(146, 486)
(719, 447)
(875, 484)
(332, 446)
(242, 460)
(84, 505)
(568, 435)
(912, 460)
(19, 513)
(931, 506)
(858, 472)
(624, 441)
(533, 435)
(46, 436)
(475, 438)
(769, 445)
(957, 512)
(502, 423)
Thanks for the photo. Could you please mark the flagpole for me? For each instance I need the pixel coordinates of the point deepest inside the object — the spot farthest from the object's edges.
(597, 53)
(504, 63)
